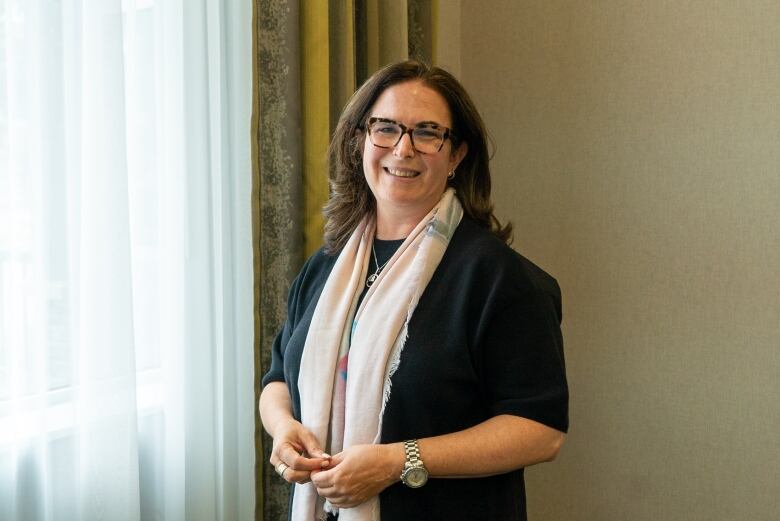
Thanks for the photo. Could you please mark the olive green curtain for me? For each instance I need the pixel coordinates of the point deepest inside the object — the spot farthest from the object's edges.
(309, 56)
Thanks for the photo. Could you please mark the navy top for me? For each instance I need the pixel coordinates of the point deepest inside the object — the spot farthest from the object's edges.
(484, 340)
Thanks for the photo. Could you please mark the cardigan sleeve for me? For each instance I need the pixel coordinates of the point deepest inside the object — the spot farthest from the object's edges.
(303, 296)
(523, 365)
(276, 371)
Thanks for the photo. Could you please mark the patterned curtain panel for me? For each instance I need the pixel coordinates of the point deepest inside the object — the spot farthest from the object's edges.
(309, 56)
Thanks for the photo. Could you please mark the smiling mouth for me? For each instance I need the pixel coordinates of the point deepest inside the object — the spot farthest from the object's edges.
(400, 172)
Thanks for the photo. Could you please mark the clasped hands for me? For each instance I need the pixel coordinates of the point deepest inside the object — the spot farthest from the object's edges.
(346, 479)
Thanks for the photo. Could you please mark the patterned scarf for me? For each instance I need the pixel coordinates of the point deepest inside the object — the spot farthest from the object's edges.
(373, 336)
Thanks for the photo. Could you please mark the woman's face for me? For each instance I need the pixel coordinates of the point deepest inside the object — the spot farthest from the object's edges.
(400, 177)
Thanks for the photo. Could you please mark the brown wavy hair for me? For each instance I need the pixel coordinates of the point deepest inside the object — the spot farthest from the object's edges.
(350, 197)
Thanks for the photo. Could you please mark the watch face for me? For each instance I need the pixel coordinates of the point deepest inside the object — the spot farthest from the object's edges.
(416, 477)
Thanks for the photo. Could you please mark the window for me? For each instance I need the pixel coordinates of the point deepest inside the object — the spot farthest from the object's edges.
(107, 216)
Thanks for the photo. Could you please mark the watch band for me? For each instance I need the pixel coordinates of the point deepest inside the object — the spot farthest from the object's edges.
(412, 450)
(415, 475)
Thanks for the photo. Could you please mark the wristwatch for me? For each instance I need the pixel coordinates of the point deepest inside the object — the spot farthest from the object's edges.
(415, 474)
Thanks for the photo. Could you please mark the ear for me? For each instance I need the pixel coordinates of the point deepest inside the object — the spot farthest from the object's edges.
(457, 155)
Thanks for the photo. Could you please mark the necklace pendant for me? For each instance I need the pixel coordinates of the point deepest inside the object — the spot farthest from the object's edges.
(371, 279)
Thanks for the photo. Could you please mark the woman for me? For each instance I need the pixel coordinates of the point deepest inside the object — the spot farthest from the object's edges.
(417, 345)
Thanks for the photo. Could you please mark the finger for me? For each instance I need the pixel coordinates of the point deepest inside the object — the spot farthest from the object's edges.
(297, 461)
(319, 480)
(311, 445)
(343, 502)
(323, 478)
(335, 460)
(314, 474)
(274, 461)
(331, 494)
(284, 453)
(289, 474)
(296, 476)
(313, 450)
(301, 462)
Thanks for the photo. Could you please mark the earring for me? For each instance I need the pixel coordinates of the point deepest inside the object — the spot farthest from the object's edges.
(451, 175)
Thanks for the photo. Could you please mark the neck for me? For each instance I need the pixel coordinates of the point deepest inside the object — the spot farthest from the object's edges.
(392, 225)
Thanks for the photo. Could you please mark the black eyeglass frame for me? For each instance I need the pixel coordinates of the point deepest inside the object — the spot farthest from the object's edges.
(448, 133)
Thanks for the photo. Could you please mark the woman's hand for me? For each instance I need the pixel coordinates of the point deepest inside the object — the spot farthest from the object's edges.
(359, 473)
(294, 445)
(298, 448)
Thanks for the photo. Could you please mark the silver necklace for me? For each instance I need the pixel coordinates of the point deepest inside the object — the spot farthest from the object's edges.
(372, 278)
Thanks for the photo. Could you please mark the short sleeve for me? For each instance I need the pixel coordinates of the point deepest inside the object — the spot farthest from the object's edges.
(524, 368)
(276, 372)
(279, 347)
(303, 295)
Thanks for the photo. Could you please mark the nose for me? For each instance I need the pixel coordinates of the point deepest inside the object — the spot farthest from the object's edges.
(404, 147)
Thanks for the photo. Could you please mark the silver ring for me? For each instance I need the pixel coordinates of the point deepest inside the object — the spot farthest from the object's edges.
(281, 468)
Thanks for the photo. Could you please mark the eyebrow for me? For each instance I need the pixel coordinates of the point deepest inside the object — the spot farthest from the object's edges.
(426, 122)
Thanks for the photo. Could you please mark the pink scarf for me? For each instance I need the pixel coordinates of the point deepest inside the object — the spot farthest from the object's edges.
(373, 335)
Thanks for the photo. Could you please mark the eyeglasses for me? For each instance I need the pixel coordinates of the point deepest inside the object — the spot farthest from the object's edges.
(426, 138)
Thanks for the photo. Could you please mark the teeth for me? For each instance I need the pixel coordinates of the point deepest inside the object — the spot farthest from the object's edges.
(401, 173)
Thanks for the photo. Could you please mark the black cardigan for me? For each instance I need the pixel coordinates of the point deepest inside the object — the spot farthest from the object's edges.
(484, 340)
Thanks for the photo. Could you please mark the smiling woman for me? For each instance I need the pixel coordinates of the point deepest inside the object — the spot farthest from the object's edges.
(418, 346)
(407, 182)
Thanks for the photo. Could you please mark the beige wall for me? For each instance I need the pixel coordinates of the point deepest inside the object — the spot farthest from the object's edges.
(638, 154)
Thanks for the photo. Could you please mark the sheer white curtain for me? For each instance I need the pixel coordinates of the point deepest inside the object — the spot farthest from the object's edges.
(126, 385)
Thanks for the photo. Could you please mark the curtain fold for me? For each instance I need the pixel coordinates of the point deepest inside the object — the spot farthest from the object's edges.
(315, 120)
(309, 56)
(105, 376)
(278, 197)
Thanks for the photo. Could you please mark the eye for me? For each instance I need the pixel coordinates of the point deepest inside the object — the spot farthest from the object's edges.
(427, 133)
(383, 127)
(386, 129)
